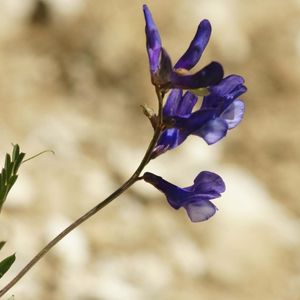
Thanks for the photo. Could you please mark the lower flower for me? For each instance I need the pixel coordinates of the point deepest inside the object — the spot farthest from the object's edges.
(196, 199)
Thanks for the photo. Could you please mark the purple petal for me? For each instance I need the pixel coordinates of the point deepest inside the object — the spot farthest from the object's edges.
(207, 182)
(178, 105)
(209, 75)
(230, 87)
(165, 69)
(196, 48)
(195, 121)
(222, 94)
(186, 104)
(172, 103)
(169, 139)
(153, 40)
(213, 130)
(234, 113)
(200, 210)
(195, 196)
(174, 194)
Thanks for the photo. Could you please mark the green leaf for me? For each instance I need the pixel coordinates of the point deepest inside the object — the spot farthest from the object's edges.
(2, 193)
(9, 171)
(18, 162)
(16, 152)
(11, 182)
(2, 243)
(2, 200)
(8, 175)
(4, 177)
(8, 165)
(6, 263)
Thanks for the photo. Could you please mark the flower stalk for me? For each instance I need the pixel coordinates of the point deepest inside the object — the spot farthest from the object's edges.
(134, 178)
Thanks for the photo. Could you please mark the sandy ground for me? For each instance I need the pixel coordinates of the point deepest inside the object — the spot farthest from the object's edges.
(73, 74)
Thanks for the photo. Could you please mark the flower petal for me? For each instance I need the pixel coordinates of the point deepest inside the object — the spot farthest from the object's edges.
(227, 85)
(195, 121)
(174, 194)
(207, 182)
(196, 48)
(169, 139)
(165, 70)
(153, 41)
(230, 87)
(172, 103)
(178, 105)
(212, 131)
(234, 113)
(209, 75)
(186, 104)
(222, 94)
(199, 211)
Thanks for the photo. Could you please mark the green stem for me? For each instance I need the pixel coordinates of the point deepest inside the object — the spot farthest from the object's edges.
(134, 178)
(36, 155)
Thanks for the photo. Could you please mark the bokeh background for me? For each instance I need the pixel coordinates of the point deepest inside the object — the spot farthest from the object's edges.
(72, 76)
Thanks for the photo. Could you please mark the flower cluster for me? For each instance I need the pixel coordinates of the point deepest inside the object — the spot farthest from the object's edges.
(220, 111)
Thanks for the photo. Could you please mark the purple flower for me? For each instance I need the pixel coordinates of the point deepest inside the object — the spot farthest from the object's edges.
(177, 105)
(164, 75)
(196, 198)
(219, 112)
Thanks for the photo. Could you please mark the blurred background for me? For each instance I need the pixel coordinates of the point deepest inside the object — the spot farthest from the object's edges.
(72, 76)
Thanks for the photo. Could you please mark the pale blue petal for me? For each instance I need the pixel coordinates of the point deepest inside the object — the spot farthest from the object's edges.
(212, 131)
(234, 113)
(200, 211)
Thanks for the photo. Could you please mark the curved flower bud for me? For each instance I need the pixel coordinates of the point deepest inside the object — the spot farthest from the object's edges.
(193, 54)
(153, 42)
(164, 75)
(196, 198)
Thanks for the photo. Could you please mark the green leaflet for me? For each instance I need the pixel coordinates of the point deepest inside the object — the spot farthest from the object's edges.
(6, 263)
(8, 175)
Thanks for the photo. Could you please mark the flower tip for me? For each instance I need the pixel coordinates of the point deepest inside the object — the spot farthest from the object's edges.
(205, 23)
(147, 14)
(146, 11)
(218, 68)
(145, 7)
(244, 89)
(237, 79)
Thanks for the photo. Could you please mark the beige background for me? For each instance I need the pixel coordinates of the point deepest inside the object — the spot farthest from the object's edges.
(72, 76)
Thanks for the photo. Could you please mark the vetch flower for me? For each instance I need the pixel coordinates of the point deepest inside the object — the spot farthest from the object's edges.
(196, 199)
(219, 112)
(164, 75)
(177, 105)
